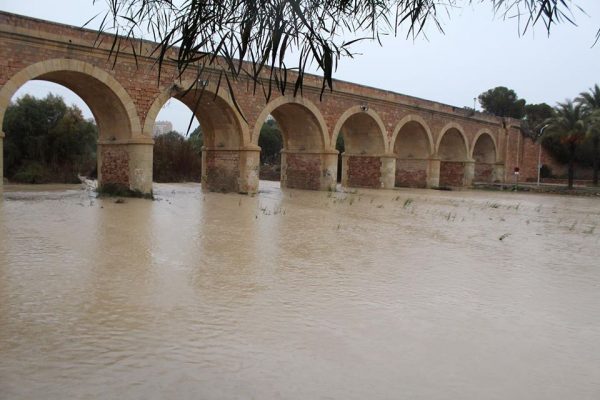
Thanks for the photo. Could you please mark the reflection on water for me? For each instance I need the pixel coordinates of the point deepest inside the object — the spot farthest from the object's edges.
(299, 295)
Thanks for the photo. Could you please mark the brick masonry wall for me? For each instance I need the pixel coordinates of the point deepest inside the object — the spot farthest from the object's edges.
(484, 172)
(222, 171)
(411, 173)
(452, 173)
(26, 41)
(115, 165)
(523, 153)
(514, 154)
(529, 159)
(364, 171)
(140, 81)
(303, 171)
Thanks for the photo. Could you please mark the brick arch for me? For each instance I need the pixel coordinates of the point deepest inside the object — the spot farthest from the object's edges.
(479, 134)
(113, 108)
(460, 129)
(412, 118)
(221, 99)
(352, 111)
(301, 104)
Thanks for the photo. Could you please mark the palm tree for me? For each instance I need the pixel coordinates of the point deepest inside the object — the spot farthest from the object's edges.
(590, 101)
(570, 124)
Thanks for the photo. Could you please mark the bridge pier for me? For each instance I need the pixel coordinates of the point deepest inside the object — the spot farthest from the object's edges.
(469, 173)
(231, 170)
(433, 172)
(127, 164)
(498, 172)
(309, 170)
(249, 169)
(388, 171)
(220, 169)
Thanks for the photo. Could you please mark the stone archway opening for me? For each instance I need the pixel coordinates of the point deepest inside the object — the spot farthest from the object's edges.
(220, 124)
(305, 161)
(412, 151)
(484, 154)
(453, 159)
(51, 136)
(270, 141)
(363, 146)
(218, 135)
(113, 111)
(109, 111)
(178, 140)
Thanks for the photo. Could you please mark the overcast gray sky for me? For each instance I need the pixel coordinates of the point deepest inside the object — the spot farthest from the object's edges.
(477, 52)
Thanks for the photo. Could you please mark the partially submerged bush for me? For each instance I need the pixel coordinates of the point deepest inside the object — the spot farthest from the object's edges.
(120, 190)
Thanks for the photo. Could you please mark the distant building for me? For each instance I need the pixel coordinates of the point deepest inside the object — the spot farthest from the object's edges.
(161, 127)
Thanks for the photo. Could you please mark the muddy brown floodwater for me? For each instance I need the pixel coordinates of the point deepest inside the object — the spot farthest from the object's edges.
(410, 294)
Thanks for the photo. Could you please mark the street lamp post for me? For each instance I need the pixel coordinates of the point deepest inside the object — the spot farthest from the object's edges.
(539, 172)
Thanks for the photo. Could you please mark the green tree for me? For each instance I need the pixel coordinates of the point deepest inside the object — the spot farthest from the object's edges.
(47, 141)
(535, 119)
(264, 33)
(196, 138)
(503, 102)
(590, 101)
(176, 159)
(569, 125)
(270, 142)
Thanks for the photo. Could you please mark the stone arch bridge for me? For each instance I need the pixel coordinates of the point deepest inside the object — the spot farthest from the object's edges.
(390, 139)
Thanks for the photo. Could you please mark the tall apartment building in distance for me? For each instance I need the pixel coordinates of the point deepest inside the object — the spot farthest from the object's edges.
(161, 127)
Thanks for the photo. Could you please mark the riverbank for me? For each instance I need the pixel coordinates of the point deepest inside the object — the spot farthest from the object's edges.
(546, 188)
(551, 189)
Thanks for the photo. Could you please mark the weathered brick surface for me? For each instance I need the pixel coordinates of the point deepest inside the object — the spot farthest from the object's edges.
(222, 171)
(411, 173)
(529, 159)
(115, 165)
(364, 172)
(452, 173)
(302, 171)
(484, 172)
